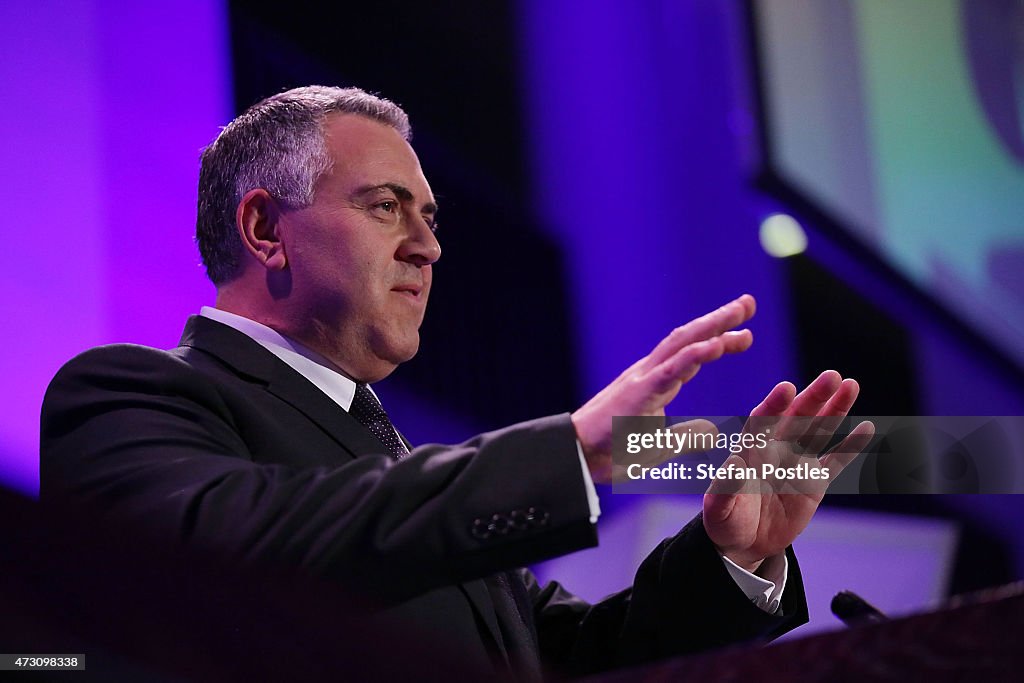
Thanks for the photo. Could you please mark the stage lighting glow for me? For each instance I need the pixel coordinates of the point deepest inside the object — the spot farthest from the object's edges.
(782, 236)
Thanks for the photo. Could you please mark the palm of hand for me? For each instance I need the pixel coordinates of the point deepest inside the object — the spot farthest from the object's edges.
(760, 518)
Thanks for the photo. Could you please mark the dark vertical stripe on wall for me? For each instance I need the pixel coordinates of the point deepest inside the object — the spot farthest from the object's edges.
(837, 328)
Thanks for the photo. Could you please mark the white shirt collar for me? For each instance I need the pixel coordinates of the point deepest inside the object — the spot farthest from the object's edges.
(304, 361)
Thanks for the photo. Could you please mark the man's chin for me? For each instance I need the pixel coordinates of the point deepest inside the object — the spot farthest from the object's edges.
(408, 351)
(393, 357)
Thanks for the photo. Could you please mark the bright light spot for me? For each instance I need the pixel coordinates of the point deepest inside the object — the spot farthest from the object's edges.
(782, 236)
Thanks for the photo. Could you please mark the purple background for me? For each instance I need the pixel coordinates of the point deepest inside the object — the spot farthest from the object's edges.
(104, 115)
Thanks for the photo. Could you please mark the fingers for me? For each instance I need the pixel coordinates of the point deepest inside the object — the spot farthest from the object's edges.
(713, 324)
(769, 411)
(682, 367)
(777, 401)
(820, 429)
(848, 449)
(737, 341)
(843, 399)
(648, 385)
(808, 403)
(810, 417)
(811, 400)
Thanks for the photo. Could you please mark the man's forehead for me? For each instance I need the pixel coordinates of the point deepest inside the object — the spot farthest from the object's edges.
(375, 157)
(354, 129)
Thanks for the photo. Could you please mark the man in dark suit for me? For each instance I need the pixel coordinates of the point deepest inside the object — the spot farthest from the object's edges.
(259, 437)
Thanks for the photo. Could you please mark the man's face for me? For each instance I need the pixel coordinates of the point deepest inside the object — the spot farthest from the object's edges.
(360, 256)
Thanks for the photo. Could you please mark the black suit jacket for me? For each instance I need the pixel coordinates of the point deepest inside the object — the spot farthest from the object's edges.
(221, 445)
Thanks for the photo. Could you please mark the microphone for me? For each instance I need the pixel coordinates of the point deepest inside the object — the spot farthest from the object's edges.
(853, 610)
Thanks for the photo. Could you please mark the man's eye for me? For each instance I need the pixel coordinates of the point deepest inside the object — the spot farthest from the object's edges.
(388, 210)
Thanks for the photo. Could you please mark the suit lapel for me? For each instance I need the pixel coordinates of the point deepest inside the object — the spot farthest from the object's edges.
(296, 390)
(247, 358)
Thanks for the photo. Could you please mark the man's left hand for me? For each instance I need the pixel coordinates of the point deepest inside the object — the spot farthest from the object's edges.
(755, 521)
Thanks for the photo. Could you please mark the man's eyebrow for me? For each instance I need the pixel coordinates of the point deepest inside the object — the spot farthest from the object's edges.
(403, 193)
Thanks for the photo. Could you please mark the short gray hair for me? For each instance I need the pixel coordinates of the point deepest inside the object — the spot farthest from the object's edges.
(277, 145)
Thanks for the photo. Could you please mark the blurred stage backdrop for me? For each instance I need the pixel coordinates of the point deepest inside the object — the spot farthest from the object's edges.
(606, 171)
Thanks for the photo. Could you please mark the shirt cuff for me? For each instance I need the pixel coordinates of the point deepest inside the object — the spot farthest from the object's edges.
(588, 484)
(766, 591)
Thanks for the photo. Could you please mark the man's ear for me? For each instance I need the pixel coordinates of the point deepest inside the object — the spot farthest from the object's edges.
(257, 219)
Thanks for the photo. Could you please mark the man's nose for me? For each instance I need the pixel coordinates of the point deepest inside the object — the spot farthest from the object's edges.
(420, 246)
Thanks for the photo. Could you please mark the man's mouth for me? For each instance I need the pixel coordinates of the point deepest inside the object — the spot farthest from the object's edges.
(409, 290)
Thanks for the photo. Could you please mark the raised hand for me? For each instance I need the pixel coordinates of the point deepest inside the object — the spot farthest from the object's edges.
(652, 382)
(754, 520)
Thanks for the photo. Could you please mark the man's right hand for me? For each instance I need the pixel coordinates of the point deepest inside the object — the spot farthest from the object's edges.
(651, 383)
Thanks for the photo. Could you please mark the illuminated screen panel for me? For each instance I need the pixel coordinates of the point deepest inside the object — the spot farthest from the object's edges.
(905, 121)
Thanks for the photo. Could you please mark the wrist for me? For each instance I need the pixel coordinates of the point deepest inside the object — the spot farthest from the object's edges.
(745, 563)
(598, 466)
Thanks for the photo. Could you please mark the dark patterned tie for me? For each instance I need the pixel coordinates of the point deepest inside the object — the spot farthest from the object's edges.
(368, 410)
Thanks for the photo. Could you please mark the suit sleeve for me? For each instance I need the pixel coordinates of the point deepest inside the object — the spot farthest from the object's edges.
(682, 601)
(153, 441)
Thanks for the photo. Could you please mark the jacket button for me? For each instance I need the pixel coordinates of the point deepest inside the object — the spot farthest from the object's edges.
(537, 518)
(519, 520)
(499, 524)
(480, 529)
